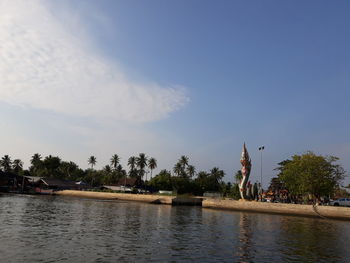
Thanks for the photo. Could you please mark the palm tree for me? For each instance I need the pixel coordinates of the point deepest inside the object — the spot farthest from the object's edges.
(92, 161)
(183, 161)
(36, 159)
(217, 174)
(178, 169)
(141, 163)
(238, 176)
(6, 163)
(132, 165)
(107, 169)
(115, 161)
(17, 165)
(36, 162)
(152, 164)
(191, 170)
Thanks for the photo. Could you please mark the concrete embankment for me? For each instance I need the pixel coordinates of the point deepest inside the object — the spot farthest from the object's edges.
(330, 212)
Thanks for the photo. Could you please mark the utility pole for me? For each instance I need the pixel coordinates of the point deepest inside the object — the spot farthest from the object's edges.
(261, 148)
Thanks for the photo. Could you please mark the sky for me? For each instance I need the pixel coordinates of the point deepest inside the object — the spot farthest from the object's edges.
(170, 78)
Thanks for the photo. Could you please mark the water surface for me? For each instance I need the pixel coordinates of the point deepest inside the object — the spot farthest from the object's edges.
(65, 229)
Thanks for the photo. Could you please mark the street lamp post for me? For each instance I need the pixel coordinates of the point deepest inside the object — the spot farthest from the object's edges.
(261, 148)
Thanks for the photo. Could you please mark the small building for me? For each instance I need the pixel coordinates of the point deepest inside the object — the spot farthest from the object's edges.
(10, 182)
(129, 182)
(59, 184)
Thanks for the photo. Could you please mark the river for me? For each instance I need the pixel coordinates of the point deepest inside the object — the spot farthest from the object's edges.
(66, 229)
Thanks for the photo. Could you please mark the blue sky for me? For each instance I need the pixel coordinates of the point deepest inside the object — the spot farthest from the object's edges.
(175, 77)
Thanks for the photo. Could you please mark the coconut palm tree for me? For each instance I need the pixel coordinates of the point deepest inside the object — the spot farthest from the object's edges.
(132, 166)
(183, 161)
(6, 163)
(141, 163)
(191, 171)
(152, 164)
(92, 161)
(36, 159)
(36, 163)
(115, 161)
(17, 165)
(217, 174)
(178, 169)
(107, 169)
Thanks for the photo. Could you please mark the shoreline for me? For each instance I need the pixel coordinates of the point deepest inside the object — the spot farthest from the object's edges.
(326, 212)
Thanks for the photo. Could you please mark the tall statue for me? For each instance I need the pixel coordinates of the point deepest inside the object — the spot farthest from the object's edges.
(246, 167)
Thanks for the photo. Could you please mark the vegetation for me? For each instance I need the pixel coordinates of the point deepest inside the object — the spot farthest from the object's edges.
(306, 174)
(311, 174)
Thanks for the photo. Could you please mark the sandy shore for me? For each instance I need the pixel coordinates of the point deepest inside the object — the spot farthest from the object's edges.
(329, 212)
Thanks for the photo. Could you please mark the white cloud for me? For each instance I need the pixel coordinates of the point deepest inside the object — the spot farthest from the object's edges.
(44, 66)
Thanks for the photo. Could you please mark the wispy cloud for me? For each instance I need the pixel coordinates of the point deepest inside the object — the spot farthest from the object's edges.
(43, 65)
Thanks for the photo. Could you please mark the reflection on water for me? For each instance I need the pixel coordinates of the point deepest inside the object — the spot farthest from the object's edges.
(245, 245)
(51, 229)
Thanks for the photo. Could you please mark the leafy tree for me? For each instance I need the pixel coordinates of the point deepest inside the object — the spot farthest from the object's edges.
(217, 175)
(311, 174)
(107, 169)
(162, 181)
(17, 166)
(211, 181)
(182, 185)
(115, 161)
(141, 162)
(234, 192)
(132, 166)
(92, 161)
(238, 176)
(183, 161)
(178, 169)
(107, 175)
(51, 165)
(6, 163)
(152, 164)
(276, 185)
(36, 164)
(36, 160)
(120, 172)
(71, 171)
(191, 170)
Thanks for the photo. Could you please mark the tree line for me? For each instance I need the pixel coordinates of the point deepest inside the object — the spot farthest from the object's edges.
(302, 175)
(182, 180)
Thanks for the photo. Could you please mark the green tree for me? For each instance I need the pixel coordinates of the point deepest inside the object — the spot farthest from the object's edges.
(152, 164)
(36, 164)
(238, 176)
(6, 163)
(132, 166)
(141, 162)
(311, 174)
(17, 166)
(71, 171)
(115, 161)
(211, 181)
(191, 171)
(162, 181)
(183, 161)
(234, 192)
(51, 165)
(178, 169)
(92, 161)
